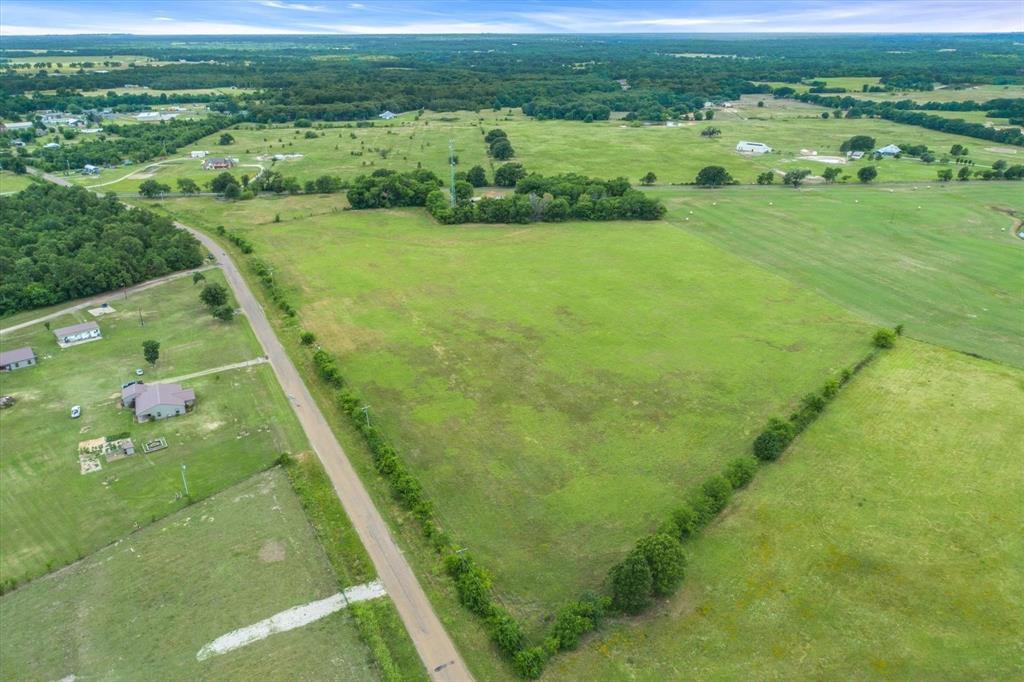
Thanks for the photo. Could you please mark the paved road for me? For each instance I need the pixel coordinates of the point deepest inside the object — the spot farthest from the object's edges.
(435, 647)
(428, 635)
(111, 297)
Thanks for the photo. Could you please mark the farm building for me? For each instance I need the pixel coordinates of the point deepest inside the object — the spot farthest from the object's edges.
(157, 401)
(11, 360)
(387, 115)
(198, 154)
(855, 155)
(888, 150)
(77, 333)
(90, 169)
(16, 125)
(217, 163)
(61, 119)
(51, 145)
(752, 147)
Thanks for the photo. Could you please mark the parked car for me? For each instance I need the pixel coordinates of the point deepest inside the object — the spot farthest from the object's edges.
(139, 372)
(76, 411)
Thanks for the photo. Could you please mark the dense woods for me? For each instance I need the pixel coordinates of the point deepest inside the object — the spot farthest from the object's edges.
(59, 243)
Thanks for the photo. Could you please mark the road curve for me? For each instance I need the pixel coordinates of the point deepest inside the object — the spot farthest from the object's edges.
(435, 647)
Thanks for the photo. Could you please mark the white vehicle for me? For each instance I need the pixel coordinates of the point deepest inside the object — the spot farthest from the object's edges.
(76, 411)
(139, 372)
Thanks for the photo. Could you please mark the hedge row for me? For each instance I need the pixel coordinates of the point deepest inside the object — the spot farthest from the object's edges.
(243, 244)
(261, 270)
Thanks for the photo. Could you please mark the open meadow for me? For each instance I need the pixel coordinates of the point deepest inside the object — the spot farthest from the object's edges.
(556, 388)
(943, 259)
(884, 545)
(144, 607)
(240, 424)
(800, 138)
(11, 182)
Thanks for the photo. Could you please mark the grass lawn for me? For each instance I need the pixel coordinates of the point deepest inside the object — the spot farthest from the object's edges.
(940, 259)
(603, 149)
(977, 93)
(241, 422)
(11, 182)
(143, 608)
(556, 388)
(884, 545)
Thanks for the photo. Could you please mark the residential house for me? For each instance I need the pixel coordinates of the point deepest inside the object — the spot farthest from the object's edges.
(387, 115)
(77, 333)
(217, 163)
(51, 145)
(888, 150)
(11, 360)
(16, 125)
(157, 401)
(197, 154)
(752, 147)
(89, 169)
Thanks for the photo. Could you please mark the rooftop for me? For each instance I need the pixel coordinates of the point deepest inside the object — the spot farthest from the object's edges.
(75, 328)
(8, 357)
(152, 395)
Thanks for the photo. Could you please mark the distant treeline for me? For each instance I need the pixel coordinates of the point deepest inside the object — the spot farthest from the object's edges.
(133, 142)
(60, 243)
(17, 107)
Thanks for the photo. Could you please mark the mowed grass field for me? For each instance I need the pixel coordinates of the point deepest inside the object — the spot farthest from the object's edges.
(940, 258)
(144, 607)
(11, 182)
(604, 149)
(50, 513)
(885, 545)
(556, 388)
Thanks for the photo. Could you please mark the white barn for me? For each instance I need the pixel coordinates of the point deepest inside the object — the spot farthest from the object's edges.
(752, 147)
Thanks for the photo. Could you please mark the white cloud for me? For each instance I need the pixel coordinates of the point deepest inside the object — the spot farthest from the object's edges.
(161, 28)
(163, 19)
(297, 6)
(356, 5)
(435, 28)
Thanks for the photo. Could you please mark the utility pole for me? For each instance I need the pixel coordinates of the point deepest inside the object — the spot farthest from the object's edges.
(142, 322)
(366, 413)
(183, 480)
(451, 166)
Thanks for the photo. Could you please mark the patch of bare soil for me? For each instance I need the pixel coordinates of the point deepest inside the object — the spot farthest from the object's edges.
(272, 551)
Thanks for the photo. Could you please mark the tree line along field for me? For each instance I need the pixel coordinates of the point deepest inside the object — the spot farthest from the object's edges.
(556, 388)
(884, 545)
(604, 149)
(241, 423)
(942, 259)
(143, 607)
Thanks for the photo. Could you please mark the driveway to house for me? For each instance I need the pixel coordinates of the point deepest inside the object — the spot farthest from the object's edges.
(435, 647)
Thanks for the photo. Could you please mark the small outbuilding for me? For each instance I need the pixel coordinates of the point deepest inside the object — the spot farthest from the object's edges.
(752, 147)
(387, 115)
(89, 169)
(888, 150)
(77, 333)
(11, 360)
(198, 154)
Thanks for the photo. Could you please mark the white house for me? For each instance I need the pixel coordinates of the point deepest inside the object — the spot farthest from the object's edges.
(89, 169)
(198, 154)
(752, 147)
(387, 115)
(77, 333)
(51, 145)
(16, 125)
(888, 150)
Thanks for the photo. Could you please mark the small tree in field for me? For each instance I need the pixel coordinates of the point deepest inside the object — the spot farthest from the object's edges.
(649, 179)
(867, 174)
(307, 338)
(224, 313)
(766, 178)
(666, 561)
(830, 174)
(152, 189)
(795, 178)
(713, 176)
(884, 338)
(213, 295)
(187, 186)
(151, 351)
(198, 277)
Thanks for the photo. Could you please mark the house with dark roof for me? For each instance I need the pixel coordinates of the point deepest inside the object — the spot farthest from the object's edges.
(11, 360)
(77, 333)
(157, 401)
(217, 163)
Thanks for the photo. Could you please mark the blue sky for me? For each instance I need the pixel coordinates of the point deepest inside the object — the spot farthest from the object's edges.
(224, 17)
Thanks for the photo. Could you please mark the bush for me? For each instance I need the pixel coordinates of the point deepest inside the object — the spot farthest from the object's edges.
(631, 583)
(666, 561)
(576, 619)
(884, 338)
(474, 589)
(740, 472)
(529, 663)
(307, 338)
(713, 176)
(773, 440)
(830, 389)
(686, 521)
(505, 631)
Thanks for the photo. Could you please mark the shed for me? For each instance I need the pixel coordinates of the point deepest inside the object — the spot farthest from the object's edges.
(387, 115)
(77, 333)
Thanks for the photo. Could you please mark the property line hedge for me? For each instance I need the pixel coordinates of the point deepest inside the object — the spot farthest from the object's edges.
(654, 568)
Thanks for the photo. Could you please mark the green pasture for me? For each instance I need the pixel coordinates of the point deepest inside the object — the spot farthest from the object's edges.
(977, 93)
(50, 513)
(11, 182)
(144, 607)
(556, 388)
(940, 258)
(885, 545)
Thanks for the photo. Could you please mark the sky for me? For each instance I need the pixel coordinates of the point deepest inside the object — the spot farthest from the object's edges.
(239, 17)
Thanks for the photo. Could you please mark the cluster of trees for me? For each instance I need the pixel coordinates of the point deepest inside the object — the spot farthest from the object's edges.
(388, 189)
(215, 297)
(132, 142)
(498, 145)
(60, 243)
(554, 198)
(18, 107)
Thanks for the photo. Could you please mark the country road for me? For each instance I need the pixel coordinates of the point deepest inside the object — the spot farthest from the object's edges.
(435, 647)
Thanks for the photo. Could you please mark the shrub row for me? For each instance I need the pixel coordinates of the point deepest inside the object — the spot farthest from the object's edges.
(266, 277)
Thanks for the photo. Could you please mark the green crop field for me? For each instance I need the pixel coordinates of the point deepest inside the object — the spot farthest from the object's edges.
(884, 545)
(51, 513)
(941, 259)
(603, 149)
(144, 607)
(555, 387)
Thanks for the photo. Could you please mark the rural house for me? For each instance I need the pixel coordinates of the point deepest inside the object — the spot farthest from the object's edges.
(888, 150)
(77, 333)
(198, 154)
(11, 360)
(89, 169)
(16, 125)
(157, 401)
(218, 163)
(387, 115)
(752, 147)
